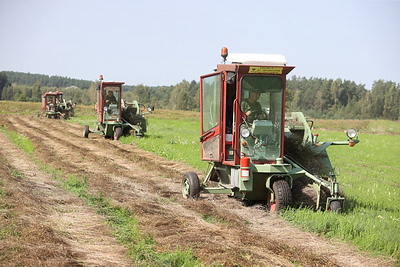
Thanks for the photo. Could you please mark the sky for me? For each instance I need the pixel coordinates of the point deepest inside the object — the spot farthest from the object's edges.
(157, 42)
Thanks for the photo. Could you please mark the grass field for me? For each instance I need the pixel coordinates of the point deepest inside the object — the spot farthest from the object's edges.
(368, 172)
(369, 177)
(173, 135)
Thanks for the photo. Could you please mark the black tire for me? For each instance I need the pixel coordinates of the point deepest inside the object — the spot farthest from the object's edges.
(283, 195)
(190, 186)
(335, 206)
(86, 131)
(117, 133)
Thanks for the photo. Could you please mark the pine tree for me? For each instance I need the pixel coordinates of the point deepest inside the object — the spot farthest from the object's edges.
(36, 92)
(3, 82)
(391, 103)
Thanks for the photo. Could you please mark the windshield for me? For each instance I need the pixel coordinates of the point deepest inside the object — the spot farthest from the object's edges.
(262, 105)
(111, 103)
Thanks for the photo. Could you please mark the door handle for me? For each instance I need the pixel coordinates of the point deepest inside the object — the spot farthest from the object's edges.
(205, 135)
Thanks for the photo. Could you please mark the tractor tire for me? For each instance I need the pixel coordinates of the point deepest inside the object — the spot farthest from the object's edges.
(190, 186)
(283, 195)
(117, 133)
(335, 206)
(86, 131)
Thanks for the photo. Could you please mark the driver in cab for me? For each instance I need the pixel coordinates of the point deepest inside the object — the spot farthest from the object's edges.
(110, 98)
(252, 108)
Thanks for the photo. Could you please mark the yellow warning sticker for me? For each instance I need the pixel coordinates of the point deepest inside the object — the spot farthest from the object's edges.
(266, 70)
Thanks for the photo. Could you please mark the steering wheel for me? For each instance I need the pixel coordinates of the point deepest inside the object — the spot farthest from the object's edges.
(259, 113)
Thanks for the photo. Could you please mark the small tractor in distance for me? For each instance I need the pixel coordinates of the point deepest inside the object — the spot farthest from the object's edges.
(257, 154)
(55, 107)
(115, 117)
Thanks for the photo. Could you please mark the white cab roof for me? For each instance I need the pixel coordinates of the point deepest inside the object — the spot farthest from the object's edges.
(257, 59)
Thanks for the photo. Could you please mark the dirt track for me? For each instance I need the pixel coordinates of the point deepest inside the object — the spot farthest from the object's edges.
(149, 186)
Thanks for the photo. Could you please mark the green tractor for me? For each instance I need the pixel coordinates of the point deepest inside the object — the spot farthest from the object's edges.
(255, 153)
(55, 107)
(115, 117)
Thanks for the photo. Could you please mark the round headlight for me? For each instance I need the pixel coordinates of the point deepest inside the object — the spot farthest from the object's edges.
(351, 133)
(245, 132)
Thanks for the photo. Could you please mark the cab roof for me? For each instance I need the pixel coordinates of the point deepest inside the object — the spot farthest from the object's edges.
(257, 59)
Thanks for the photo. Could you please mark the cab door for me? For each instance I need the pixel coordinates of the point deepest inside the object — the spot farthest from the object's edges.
(210, 116)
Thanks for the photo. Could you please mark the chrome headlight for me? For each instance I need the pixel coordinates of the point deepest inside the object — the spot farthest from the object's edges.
(351, 133)
(245, 132)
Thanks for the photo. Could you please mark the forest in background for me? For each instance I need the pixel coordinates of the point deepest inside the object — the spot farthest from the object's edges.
(316, 97)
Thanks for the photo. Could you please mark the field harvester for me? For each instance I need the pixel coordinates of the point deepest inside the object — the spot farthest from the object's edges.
(55, 107)
(115, 117)
(244, 133)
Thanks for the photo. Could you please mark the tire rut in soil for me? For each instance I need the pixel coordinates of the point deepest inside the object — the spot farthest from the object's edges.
(146, 159)
(80, 232)
(105, 160)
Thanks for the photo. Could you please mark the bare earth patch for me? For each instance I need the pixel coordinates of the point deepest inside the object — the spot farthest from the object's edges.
(52, 227)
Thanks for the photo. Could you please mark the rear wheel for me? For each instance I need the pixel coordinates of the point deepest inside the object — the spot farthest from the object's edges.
(190, 186)
(86, 131)
(117, 133)
(335, 206)
(283, 196)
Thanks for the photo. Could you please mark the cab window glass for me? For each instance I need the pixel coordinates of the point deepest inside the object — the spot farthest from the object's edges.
(262, 105)
(261, 97)
(211, 87)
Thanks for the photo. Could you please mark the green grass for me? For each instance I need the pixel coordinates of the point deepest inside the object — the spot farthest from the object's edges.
(84, 115)
(211, 219)
(17, 174)
(20, 108)
(173, 139)
(364, 126)
(19, 140)
(8, 231)
(2, 191)
(370, 170)
(369, 177)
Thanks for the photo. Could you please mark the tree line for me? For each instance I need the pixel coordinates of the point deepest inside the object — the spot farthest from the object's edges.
(316, 97)
(343, 99)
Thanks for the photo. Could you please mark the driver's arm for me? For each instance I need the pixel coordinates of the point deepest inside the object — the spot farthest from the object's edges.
(245, 107)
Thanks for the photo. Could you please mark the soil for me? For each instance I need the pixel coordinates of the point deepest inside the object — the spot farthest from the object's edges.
(56, 228)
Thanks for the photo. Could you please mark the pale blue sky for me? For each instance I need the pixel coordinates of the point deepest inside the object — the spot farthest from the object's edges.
(158, 42)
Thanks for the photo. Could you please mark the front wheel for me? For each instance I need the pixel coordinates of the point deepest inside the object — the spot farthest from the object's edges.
(283, 196)
(335, 206)
(190, 186)
(117, 133)
(86, 131)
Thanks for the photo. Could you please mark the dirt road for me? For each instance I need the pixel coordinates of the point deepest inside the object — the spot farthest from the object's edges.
(149, 187)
